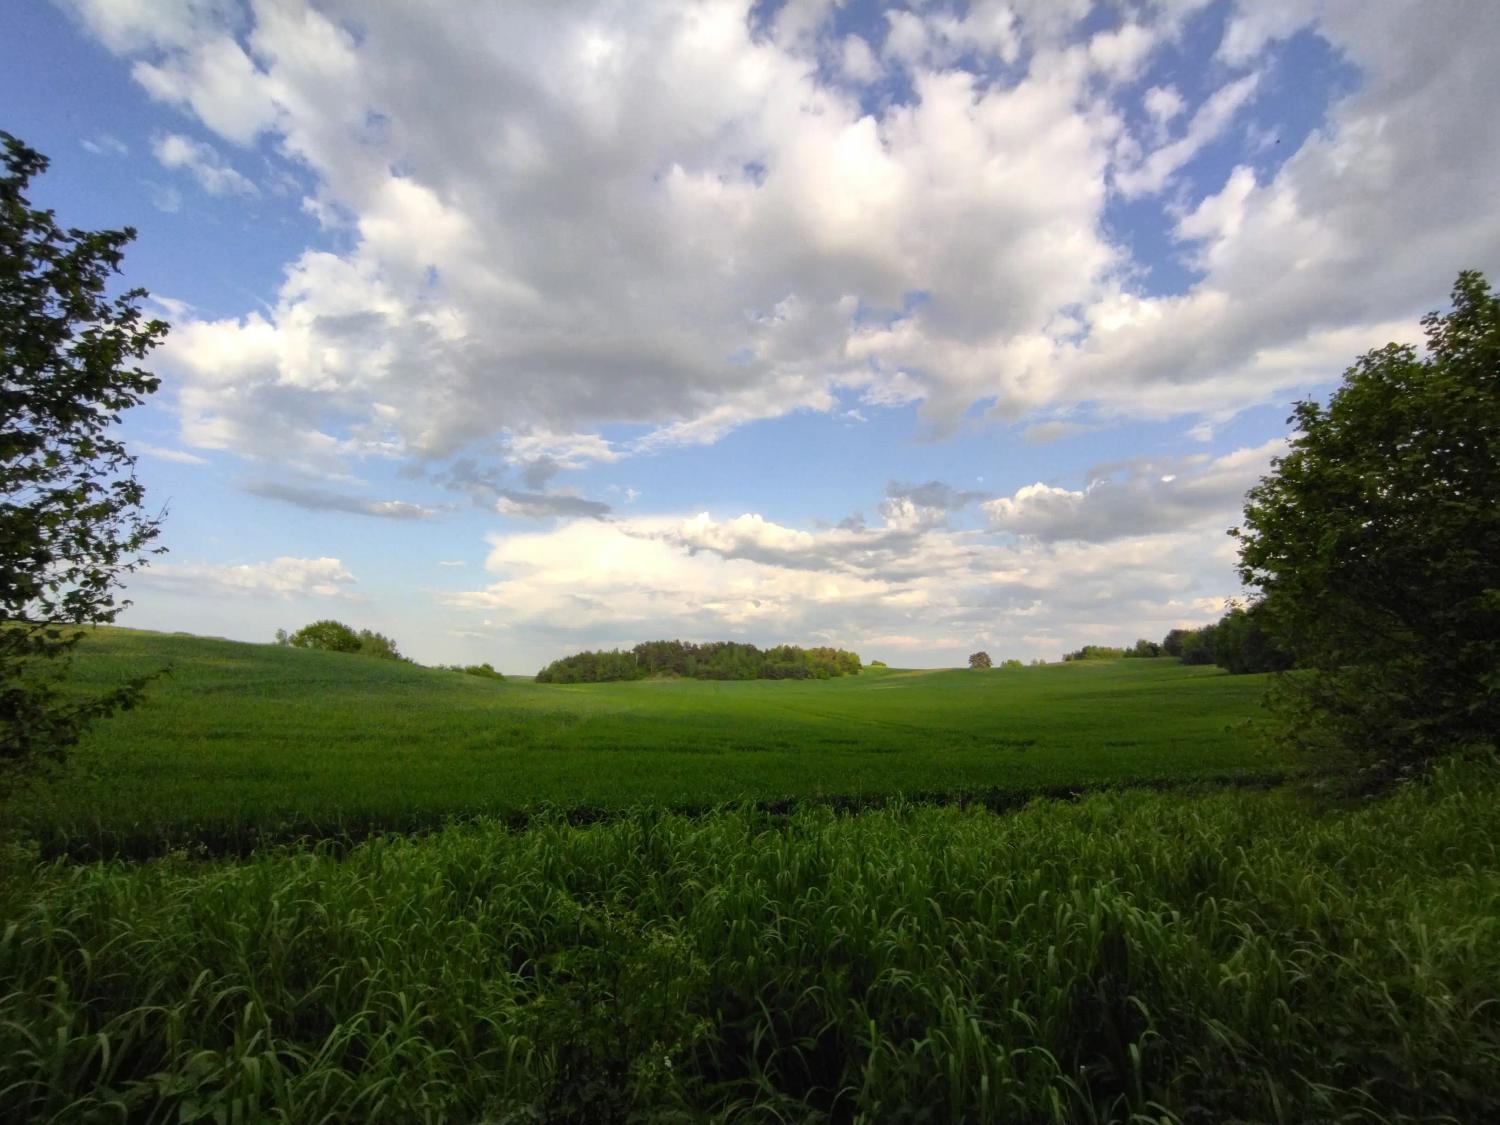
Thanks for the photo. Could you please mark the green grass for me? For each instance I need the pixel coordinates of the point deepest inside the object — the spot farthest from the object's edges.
(1138, 956)
(245, 743)
(850, 941)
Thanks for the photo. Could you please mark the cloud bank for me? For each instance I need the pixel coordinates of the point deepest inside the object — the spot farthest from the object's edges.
(554, 218)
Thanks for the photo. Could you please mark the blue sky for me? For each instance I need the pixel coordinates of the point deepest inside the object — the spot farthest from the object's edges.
(512, 329)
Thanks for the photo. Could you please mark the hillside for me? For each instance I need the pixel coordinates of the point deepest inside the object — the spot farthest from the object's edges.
(241, 741)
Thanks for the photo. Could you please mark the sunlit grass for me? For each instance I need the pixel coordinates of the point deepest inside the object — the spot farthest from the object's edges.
(1230, 956)
(247, 743)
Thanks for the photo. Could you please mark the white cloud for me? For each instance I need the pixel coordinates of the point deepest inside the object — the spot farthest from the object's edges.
(1209, 122)
(1164, 105)
(283, 577)
(105, 144)
(1120, 54)
(204, 162)
(556, 219)
(931, 593)
(162, 453)
(324, 500)
(1146, 501)
(857, 62)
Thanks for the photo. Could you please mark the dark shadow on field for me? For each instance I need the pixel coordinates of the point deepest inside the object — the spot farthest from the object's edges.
(237, 841)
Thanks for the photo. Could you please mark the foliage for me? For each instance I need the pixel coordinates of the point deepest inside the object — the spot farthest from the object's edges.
(326, 635)
(1375, 546)
(249, 743)
(878, 664)
(1011, 663)
(484, 671)
(1127, 957)
(378, 644)
(1242, 643)
(980, 660)
(1144, 648)
(719, 660)
(329, 635)
(71, 524)
(1095, 652)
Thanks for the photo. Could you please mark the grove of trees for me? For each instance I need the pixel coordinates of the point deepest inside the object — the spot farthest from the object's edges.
(329, 635)
(716, 660)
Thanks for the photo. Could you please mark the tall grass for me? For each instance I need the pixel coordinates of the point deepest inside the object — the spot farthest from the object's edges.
(1131, 956)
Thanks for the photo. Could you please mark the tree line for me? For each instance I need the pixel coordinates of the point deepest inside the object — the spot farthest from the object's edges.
(715, 660)
(1239, 642)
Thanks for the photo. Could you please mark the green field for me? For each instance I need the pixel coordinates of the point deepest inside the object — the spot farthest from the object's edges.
(244, 741)
(583, 931)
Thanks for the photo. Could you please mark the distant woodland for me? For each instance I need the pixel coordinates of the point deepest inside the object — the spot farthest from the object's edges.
(715, 660)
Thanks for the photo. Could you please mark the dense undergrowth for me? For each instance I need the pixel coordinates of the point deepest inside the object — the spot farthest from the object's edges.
(1231, 956)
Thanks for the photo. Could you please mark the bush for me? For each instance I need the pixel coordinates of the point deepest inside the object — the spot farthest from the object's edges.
(1095, 652)
(329, 635)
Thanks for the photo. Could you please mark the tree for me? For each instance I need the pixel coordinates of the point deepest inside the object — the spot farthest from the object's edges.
(980, 660)
(71, 519)
(1375, 547)
(326, 636)
(378, 644)
(1242, 643)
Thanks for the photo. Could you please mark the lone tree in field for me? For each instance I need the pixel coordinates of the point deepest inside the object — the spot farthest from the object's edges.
(71, 523)
(329, 635)
(980, 660)
(1375, 545)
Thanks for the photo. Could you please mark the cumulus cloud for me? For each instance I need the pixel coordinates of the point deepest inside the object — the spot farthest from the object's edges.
(204, 162)
(555, 219)
(1150, 497)
(324, 500)
(283, 577)
(930, 594)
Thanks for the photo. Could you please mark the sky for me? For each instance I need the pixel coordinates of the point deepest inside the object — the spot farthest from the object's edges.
(512, 329)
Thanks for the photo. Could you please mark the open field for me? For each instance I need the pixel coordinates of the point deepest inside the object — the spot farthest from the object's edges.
(247, 742)
(1232, 956)
(847, 942)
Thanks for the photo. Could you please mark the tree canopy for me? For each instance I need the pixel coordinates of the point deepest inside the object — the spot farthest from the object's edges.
(715, 660)
(329, 635)
(1374, 545)
(71, 517)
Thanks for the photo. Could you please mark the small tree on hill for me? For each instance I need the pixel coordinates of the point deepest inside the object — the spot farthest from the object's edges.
(980, 660)
(1375, 545)
(326, 636)
(334, 636)
(71, 520)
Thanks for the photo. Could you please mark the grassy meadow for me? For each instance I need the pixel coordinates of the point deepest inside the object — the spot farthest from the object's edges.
(243, 743)
(870, 950)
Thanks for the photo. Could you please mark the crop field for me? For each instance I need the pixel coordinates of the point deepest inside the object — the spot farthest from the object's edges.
(243, 743)
(1130, 956)
(345, 889)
